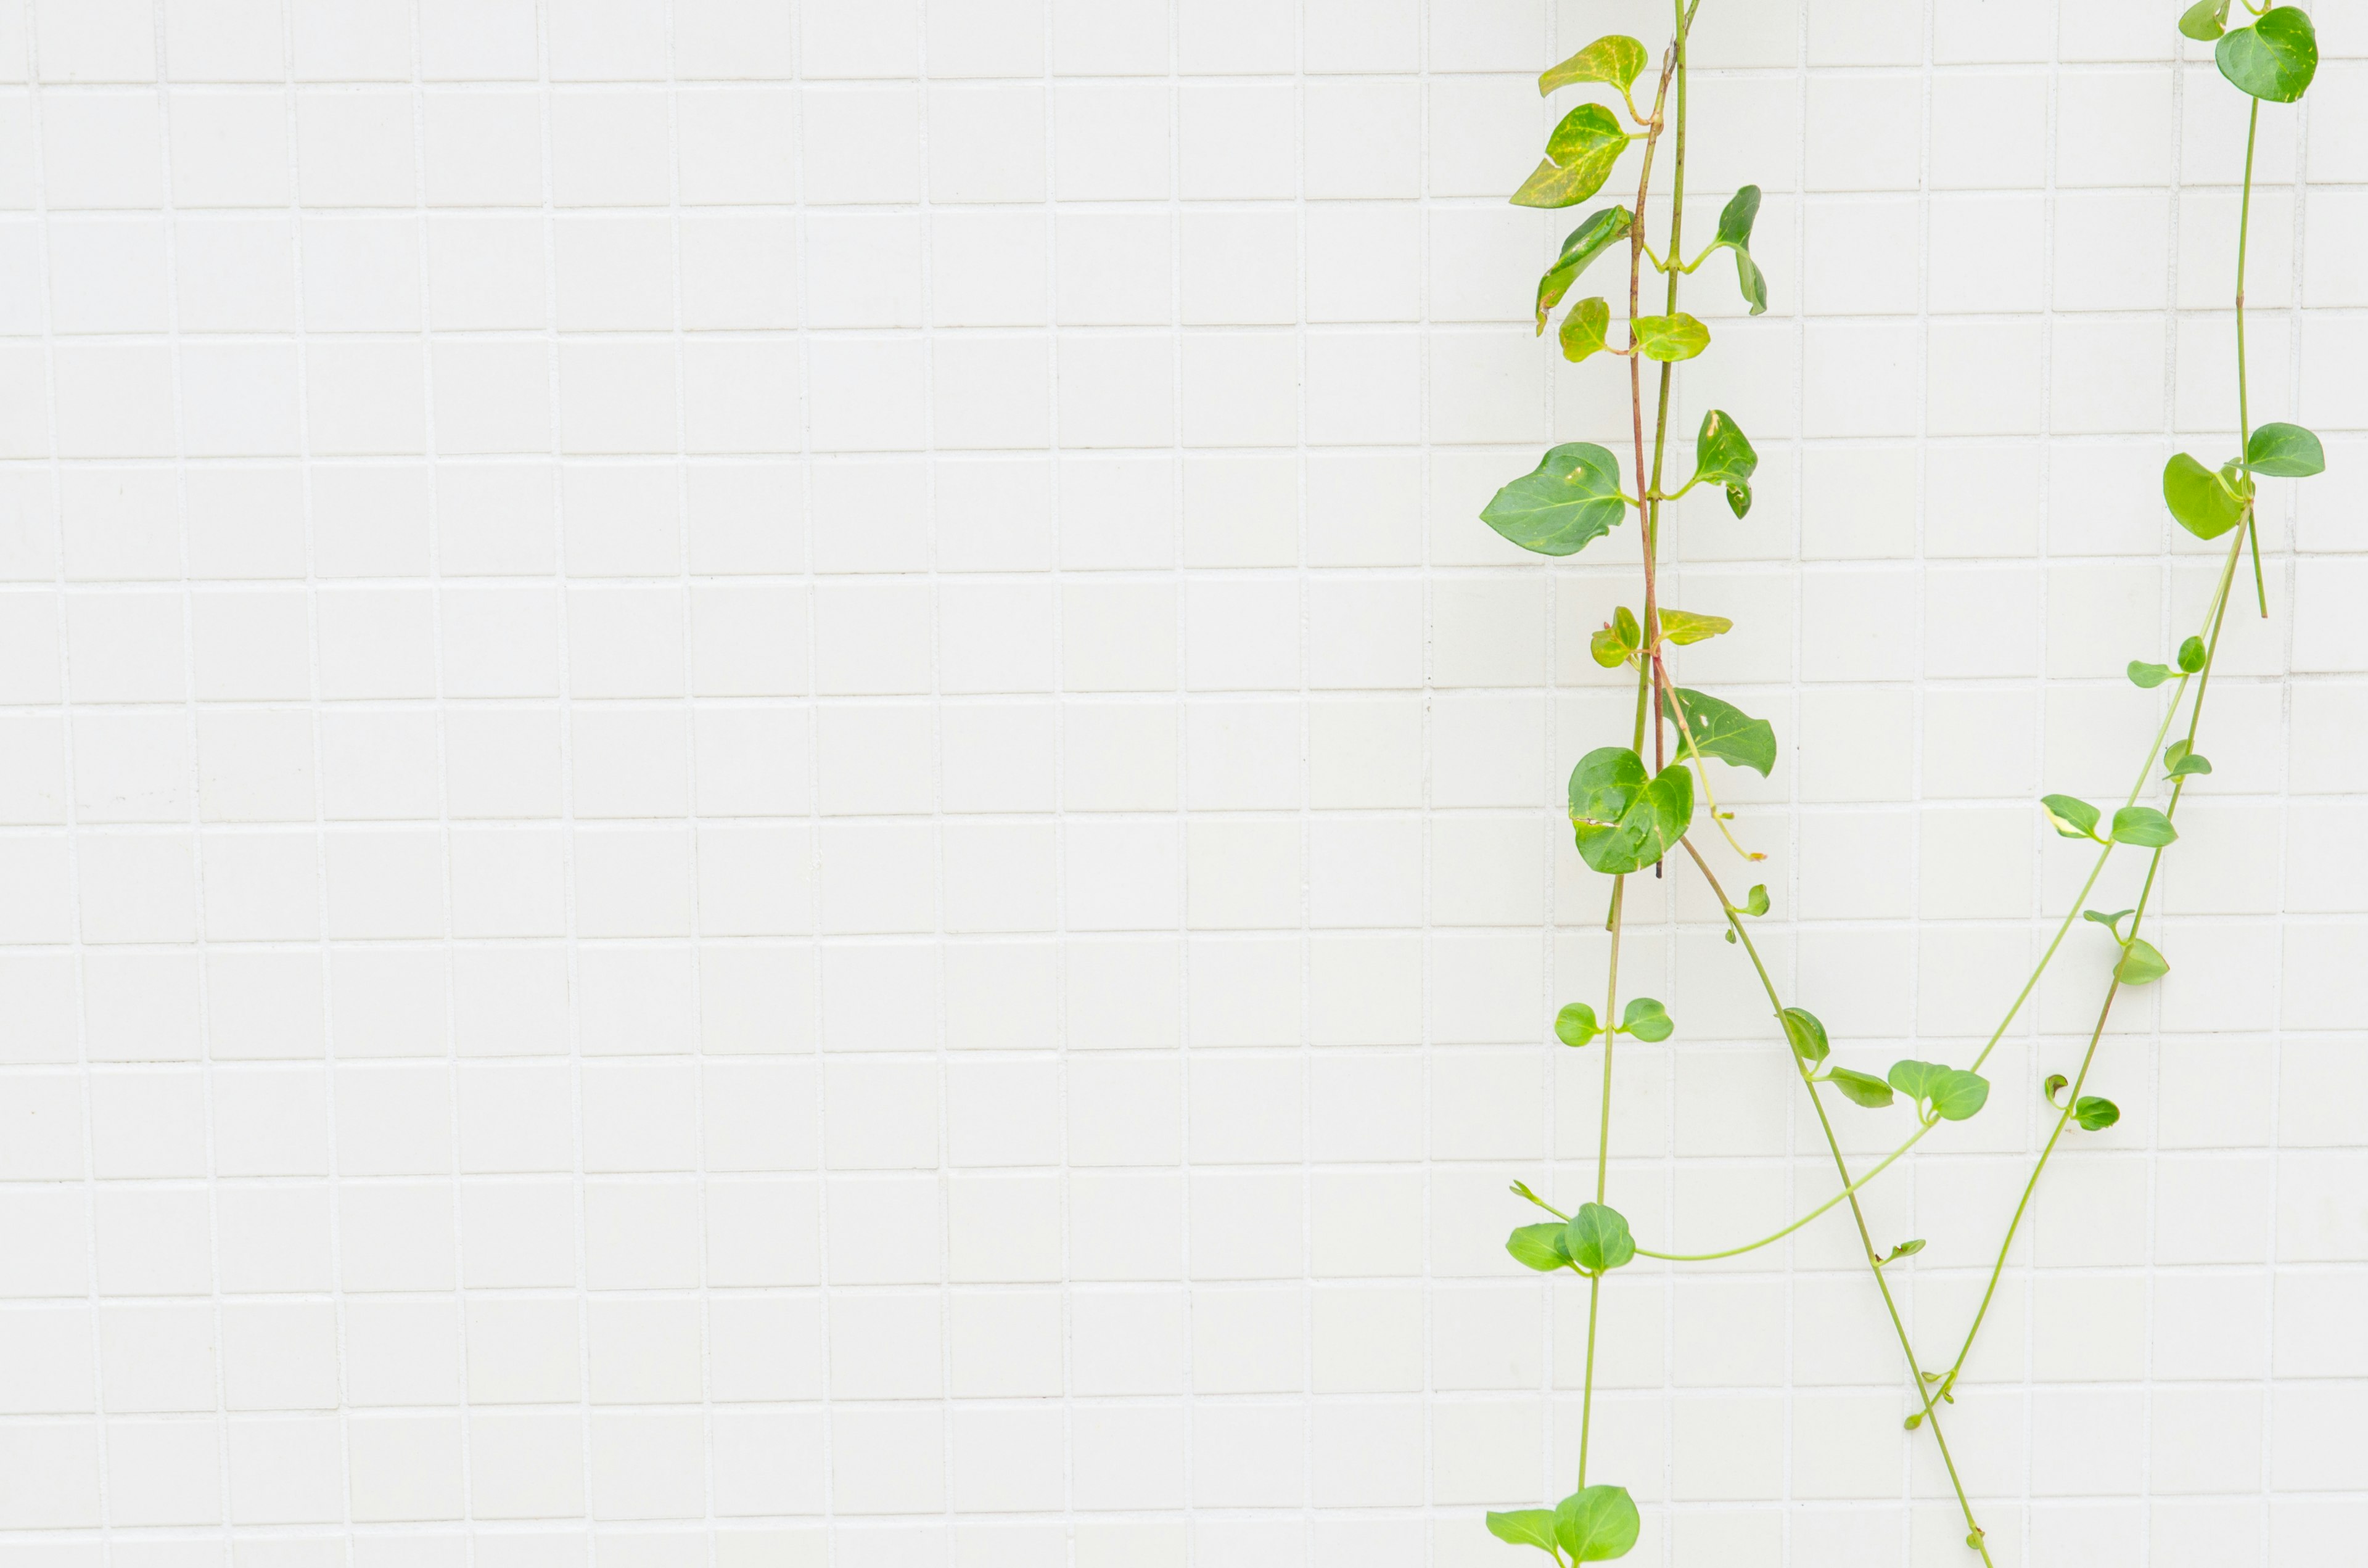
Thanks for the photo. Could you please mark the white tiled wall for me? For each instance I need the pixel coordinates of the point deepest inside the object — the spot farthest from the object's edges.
(769, 802)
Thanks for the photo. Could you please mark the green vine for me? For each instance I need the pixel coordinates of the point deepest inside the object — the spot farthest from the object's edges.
(1627, 815)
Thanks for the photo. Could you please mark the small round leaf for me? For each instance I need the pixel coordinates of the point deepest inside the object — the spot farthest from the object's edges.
(2285, 451)
(1576, 1024)
(1539, 1247)
(1647, 1020)
(1597, 1238)
(1596, 1524)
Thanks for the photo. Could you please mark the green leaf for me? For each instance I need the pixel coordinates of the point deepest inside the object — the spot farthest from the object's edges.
(2197, 498)
(1682, 627)
(1807, 1035)
(1952, 1093)
(1904, 1249)
(2274, 59)
(1669, 338)
(2056, 1082)
(2143, 827)
(1580, 248)
(1756, 902)
(1647, 1020)
(2110, 922)
(1526, 1527)
(1580, 155)
(1569, 500)
(2070, 815)
(2181, 761)
(1616, 59)
(2192, 655)
(2095, 1113)
(2285, 451)
(1596, 1524)
(1539, 1247)
(2149, 675)
(2205, 20)
(1723, 455)
(1625, 822)
(1720, 729)
(2140, 964)
(1583, 330)
(1864, 1089)
(1576, 1024)
(1734, 231)
(1597, 1238)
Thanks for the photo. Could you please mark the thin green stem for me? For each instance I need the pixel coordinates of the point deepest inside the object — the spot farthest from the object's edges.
(2113, 990)
(2244, 400)
(1587, 1403)
(1858, 1213)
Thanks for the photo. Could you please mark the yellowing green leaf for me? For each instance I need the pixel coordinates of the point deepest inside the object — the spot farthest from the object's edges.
(1615, 60)
(1580, 248)
(1682, 627)
(1670, 338)
(1580, 155)
(1583, 330)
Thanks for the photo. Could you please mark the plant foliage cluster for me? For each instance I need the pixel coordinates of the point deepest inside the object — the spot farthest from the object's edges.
(1630, 814)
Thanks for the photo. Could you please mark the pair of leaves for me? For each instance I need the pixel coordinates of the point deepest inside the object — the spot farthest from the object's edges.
(1595, 1239)
(1571, 499)
(1724, 455)
(1621, 639)
(1586, 332)
(1591, 239)
(1576, 1024)
(1948, 1094)
(1735, 222)
(1594, 1524)
(2208, 504)
(1580, 155)
(2093, 1112)
(2274, 59)
(2180, 760)
(1626, 820)
(1720, 729)
(2140, 826)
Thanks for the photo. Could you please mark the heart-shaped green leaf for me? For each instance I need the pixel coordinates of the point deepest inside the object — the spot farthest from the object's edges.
(1570, 499)
(1583, 330)
(1576, 1024)
(2196, 497)
(1647, 1020)
(1682, 627)
(1580, 155)
(2149, 675)
(2285, 451)
(1624, 820)
(1596, 1524)
(2143, 827)
(2095, 1113)
(1864, 1089)
(2069, 815)
(1756, 902)
(1723, 455)
(1539, 1247)
(2205, 20)
(1669, 338)
(1614, 59)
(1735, 222)
(1720, 729)
(1952, 1093)
(2140, 964)
(1526, 1527)
(2274, 59)
(1580, 248)
(1807, 1035)
(1597, 1238)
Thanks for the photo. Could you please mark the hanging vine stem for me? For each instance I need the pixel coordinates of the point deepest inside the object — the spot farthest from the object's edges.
(1626, 815)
